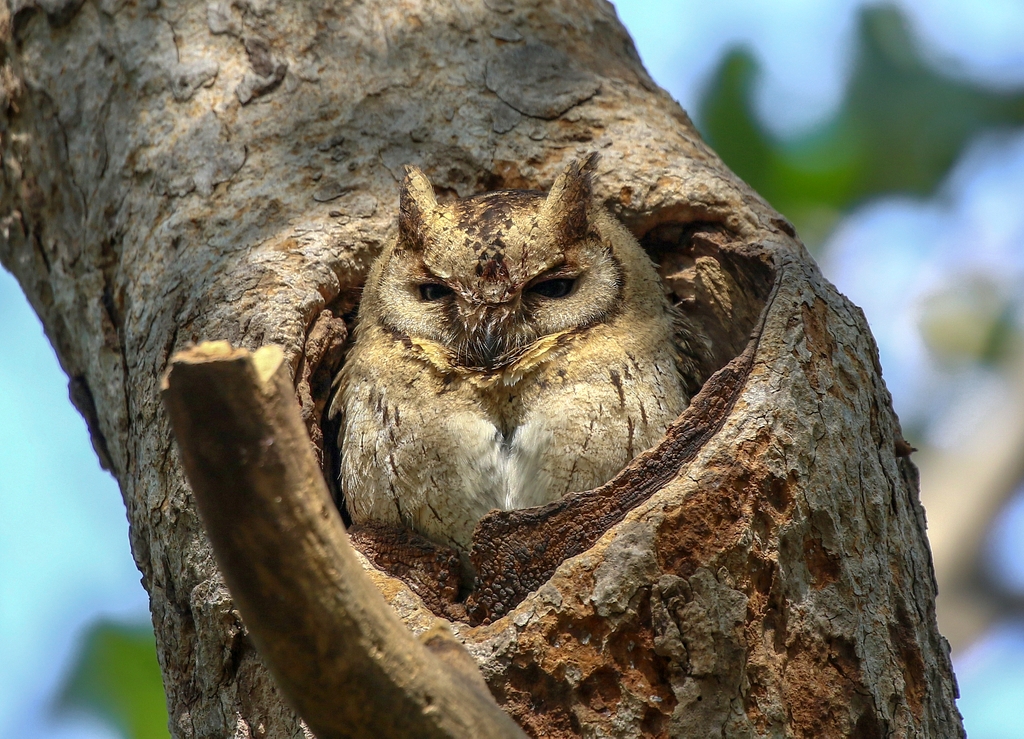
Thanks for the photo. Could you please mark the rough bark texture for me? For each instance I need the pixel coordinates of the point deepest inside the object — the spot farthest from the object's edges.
(182, 171)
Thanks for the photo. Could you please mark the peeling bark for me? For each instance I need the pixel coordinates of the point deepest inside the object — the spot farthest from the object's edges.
(219, 170)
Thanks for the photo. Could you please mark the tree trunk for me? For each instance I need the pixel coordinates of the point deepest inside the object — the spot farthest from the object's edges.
(181, 171)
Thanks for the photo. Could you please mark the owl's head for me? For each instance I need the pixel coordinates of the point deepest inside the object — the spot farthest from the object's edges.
(484, 279)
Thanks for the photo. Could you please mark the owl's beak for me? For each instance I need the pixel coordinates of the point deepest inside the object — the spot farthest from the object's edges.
(487, 346)
(490, 345)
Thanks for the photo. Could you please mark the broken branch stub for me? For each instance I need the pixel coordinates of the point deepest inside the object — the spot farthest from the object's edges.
(336, 649)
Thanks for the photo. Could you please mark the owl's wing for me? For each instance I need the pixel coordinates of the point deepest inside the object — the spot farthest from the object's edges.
(694, 352)
(333, 428)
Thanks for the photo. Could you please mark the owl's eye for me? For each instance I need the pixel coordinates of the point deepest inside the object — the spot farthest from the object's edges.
(431, 291)
(556, 288)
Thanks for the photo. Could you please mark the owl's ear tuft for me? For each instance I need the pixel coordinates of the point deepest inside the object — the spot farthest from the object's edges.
(568, 203)
(416, 202)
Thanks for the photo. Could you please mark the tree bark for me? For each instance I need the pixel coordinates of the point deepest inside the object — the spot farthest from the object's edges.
(181, 171)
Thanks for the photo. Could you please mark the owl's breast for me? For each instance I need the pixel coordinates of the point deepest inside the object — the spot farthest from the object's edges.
(577, 432)
(437, 452)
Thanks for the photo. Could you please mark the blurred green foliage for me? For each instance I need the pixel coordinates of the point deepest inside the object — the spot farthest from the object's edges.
(972, 321)
(117, 679)
(900, 128)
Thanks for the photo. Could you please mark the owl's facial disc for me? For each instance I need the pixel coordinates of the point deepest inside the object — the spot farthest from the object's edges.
(486, 278)
(489, 330)
(495, 334)
(486, 305)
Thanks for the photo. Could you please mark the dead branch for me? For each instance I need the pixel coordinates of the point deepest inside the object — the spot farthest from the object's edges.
(336, 649)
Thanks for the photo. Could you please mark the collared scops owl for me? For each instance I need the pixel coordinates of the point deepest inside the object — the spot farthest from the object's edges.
(509, 348)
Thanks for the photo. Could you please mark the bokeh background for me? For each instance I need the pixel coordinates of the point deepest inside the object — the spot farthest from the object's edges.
(891, 135)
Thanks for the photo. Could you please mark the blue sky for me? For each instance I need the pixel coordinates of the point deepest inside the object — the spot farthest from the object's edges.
(64, 556)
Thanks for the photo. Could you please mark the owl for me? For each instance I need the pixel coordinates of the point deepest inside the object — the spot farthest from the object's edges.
(510, 348)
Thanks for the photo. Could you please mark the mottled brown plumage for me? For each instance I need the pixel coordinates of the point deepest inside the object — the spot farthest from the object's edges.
(510, 348)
